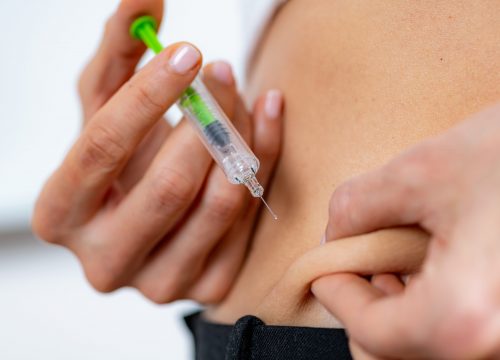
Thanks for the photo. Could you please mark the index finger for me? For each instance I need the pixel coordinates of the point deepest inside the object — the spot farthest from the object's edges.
(117, 56)
(77, 188)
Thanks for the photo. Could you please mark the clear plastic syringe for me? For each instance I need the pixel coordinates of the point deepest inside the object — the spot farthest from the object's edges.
(218, 134)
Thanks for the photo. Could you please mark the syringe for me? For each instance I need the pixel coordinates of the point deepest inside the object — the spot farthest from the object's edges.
(220, 137)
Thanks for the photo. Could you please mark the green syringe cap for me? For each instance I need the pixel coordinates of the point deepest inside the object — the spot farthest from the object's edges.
(140, 23)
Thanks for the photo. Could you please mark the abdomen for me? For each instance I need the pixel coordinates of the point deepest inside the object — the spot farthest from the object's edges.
(362, 81)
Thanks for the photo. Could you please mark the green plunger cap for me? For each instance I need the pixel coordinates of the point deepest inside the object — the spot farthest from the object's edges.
(141, 23)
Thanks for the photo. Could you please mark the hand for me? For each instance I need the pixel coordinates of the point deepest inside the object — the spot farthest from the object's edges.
(142, 204)
(450, 186)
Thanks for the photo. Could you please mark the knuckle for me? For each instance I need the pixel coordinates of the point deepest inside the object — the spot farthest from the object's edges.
(47, 221)
(268, 148)
(85, 83)
(472, 318)
(42, 227)
(82, 84)
(211, 297)
(92, 98)
(105, 273)
(465, 330)
(214, 292)
(407, 174)
(224, 207)
(418, 165)
(108, 25)
(340, 204)
(148, 104)
(103, 284)
(269, 152)
(102, 148)
(160, 293)
(171, 189)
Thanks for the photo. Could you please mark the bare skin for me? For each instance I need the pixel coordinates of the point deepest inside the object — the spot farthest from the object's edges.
(362, 81)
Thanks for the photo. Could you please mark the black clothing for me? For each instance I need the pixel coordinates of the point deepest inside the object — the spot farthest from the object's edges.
(251, 339)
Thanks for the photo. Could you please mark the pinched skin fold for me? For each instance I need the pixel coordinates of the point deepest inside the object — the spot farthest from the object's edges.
(291, 302)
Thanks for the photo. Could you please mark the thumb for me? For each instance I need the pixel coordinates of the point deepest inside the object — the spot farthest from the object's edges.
(386, 197)
(374, 321)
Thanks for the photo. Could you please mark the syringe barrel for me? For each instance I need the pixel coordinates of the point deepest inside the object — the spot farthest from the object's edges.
(218, 134)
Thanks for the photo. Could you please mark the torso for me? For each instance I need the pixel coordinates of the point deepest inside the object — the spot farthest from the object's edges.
(362, 81)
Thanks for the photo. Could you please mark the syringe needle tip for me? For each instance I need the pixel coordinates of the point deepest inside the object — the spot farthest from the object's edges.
(269, 208)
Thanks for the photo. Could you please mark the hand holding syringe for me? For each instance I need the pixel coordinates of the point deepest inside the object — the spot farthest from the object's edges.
(139, 202)
(220, 137)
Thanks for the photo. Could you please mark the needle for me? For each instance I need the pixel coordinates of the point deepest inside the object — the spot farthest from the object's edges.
(269, 208)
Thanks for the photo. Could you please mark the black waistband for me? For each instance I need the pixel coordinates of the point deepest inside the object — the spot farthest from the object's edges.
(251, 339)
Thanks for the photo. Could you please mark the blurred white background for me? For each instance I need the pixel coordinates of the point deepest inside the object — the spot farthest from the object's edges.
(47, 311)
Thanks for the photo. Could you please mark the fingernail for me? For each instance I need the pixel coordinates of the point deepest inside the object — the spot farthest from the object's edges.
(273, 104)
(323, 240)
(223, 73)
(185, 58)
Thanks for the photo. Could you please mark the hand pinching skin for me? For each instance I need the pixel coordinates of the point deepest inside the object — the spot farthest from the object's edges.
(449, 186)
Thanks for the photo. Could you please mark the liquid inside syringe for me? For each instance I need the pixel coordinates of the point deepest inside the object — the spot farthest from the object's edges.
(222, 140)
